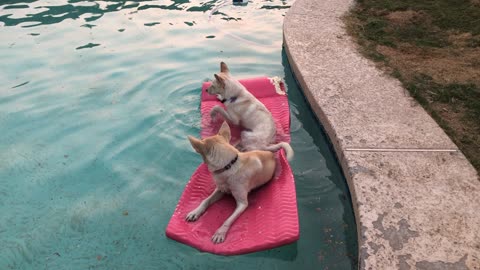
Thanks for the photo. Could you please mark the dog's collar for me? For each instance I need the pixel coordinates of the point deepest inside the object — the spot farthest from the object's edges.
(229, 165)
(231, 100)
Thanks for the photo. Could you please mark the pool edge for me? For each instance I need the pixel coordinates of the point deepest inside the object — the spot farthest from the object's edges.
(393, 177)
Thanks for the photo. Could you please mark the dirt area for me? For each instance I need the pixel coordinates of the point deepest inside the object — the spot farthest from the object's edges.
(443, 65)
(433, 48)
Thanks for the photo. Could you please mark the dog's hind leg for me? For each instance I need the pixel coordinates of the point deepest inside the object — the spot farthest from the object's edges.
(242, 204)
(237, 144)
(248, 141)
(195, 214)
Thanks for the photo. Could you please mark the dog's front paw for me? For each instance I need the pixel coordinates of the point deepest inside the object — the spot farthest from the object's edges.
(219, 235)
(214, 113)
(193, 216)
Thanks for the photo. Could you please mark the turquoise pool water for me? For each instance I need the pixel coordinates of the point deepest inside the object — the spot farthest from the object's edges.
(96, 100)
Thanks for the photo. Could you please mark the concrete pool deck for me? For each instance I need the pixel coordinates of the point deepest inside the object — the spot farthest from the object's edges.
(415, 195)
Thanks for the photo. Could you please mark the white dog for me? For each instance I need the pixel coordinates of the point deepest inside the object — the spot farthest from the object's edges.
(234, 172)
(244, 109)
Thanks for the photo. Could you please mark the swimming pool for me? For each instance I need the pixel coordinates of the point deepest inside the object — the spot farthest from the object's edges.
(97, 99)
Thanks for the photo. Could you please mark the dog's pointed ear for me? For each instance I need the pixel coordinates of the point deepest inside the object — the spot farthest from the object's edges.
(220, 80)
(225, 131)
(197, 144)
(224, 68)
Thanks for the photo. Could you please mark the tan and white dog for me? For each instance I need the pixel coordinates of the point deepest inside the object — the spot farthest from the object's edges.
(234, 172)
(245, 110)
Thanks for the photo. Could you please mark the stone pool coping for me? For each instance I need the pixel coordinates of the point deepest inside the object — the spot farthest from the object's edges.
(416, 197)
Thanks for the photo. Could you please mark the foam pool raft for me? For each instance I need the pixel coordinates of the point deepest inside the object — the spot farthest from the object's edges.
(271, 219)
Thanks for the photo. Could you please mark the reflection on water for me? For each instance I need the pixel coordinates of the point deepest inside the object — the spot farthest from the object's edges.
(39, 13)
(97, 100)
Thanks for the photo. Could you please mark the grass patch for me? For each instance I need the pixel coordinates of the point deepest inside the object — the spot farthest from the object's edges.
(433, 48)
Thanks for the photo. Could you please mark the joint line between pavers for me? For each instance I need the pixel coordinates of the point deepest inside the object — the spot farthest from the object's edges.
(400, 150)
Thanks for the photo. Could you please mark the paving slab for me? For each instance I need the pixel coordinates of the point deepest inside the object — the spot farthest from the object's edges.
(415, 195)
(366, 108)
(414, 209)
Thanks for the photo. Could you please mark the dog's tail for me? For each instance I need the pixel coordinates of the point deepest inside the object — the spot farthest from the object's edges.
(275, 147)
